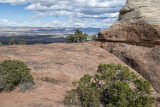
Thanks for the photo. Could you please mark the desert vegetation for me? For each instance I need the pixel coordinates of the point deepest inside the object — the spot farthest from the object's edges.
(22, 41)
(79, 36)
(112, 86)
(1, 44)
(14, 41)
(15, 73)
(93, 38)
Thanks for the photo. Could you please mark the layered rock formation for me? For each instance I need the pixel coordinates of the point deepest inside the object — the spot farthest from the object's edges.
(138, 23)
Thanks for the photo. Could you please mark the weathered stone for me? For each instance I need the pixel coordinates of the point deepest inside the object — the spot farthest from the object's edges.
(138, 23)
(54, 67)
(140, 11)
(145, 60)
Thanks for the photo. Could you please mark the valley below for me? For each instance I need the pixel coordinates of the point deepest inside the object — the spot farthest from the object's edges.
(133, 40)
(42, 35)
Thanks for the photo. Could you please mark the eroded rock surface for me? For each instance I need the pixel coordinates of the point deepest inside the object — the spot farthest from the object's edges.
(54, 67)
(138, 23)
(145, 60)
(140, 11)
(135, 38)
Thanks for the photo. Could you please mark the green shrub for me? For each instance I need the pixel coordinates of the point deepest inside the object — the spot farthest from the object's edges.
(111, 87)
(93, 37)
(71, 98)
(78, 36)
(85, 36)
(1, 44)
(70, 38)
(12, 41)
(13, 73)
(22, 41)
(38, 43)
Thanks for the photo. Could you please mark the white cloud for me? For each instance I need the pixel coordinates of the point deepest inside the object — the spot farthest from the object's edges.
(14, 2)
(79, 12)
(3, 21)
(76, 23)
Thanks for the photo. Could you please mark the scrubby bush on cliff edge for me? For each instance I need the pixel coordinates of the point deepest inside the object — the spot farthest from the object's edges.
(14, 73)
(22, 41)
(78, 36)
(112, 86)
(1, 44)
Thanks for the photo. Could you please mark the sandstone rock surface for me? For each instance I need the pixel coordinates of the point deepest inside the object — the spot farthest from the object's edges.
(54, 67)
(140, 11)
(144, 60)
(138, 23)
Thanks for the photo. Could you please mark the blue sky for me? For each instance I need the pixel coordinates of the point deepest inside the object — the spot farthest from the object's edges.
(59, 13)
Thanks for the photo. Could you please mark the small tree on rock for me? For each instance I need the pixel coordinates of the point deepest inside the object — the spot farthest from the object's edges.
(1, 44)
(22, 41)
(94, 37)
(70, 38)
(14, 73)
(78, 36)
(12, 41)
(113, 86)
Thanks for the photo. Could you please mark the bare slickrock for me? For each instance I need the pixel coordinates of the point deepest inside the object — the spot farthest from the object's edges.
(54, 67)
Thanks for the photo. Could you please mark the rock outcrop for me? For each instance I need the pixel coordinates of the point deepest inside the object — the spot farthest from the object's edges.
(144, 60)
(138, 23)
